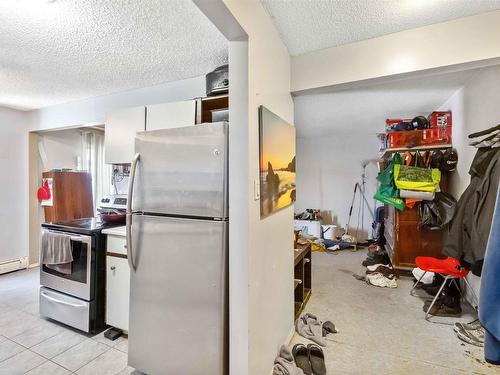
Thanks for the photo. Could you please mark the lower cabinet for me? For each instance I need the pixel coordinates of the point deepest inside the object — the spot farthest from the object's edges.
(406, 240)
(117, 292)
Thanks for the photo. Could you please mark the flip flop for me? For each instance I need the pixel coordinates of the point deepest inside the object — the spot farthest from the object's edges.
(317, 359)
(301, 355)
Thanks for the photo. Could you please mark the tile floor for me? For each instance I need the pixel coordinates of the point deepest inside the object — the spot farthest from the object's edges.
(383, 331)
(35, 346)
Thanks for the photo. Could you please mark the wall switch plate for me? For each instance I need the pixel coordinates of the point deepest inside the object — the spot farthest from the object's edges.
(256, 189)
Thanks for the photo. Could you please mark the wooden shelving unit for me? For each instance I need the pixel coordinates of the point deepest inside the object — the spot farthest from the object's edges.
(405, 239)
(206, 106)
(389, 151)
(302, 277)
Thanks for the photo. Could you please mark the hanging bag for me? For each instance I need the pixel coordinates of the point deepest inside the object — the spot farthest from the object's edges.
(387, 192)
(415, 178)
(436, 214)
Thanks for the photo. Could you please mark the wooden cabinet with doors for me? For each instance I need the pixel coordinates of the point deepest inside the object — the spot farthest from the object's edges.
(405, 237)
(71, 196)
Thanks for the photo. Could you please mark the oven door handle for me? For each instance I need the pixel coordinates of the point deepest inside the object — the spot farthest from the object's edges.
(61, 302)
(128, 227)
(72, 237)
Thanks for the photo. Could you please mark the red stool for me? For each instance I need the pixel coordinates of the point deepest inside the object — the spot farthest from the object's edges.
(449, 268)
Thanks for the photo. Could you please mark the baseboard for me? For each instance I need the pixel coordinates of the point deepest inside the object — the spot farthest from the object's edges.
(34, 265)
(14, 265)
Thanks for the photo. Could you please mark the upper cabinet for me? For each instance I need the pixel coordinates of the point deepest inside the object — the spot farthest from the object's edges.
(121, 127)
(171, 115)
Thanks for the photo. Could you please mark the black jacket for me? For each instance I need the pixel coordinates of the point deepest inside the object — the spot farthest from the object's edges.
(468, 232)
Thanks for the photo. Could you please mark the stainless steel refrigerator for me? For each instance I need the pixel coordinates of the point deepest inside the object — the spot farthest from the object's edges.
(177, 243)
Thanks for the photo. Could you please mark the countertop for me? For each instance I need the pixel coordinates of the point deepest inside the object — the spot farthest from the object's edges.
(117, 231)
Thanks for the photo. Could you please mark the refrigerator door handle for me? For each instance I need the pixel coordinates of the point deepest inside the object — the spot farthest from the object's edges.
(129, 212)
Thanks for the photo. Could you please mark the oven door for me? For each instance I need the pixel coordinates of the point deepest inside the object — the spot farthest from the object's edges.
(78, 283)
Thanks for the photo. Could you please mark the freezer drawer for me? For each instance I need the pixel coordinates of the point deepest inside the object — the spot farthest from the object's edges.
(182, 171)
(178, 298)
(65, 309)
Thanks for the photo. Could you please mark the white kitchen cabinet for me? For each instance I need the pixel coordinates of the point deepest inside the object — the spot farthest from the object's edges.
(121, 127)
(117, 292)
(171, 115)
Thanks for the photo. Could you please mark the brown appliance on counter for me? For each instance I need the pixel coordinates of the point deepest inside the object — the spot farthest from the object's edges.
(71, 194)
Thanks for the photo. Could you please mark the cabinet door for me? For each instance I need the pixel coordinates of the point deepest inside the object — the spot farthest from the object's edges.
(117, 292)
(171, 115)
(408, 243)
(121, 127)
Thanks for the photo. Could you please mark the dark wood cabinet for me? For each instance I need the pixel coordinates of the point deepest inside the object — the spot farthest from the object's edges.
(207, 107)
(405, 239)
(72, 196)
(302, 277)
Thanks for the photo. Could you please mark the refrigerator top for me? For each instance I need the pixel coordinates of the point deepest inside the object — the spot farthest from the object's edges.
(183, 172)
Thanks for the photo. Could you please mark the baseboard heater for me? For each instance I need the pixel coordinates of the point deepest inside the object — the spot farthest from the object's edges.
(14, 265)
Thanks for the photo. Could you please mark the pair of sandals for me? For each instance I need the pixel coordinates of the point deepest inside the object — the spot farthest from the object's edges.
(309, 359)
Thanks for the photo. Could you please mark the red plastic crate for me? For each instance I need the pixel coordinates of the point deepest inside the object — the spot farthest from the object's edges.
(436, 136)
(440, 119)
(409, 138)
(425, 137)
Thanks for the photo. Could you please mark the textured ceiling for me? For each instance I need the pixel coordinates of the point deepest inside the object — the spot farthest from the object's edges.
(364, 110)
(54, 51)
(309, 25)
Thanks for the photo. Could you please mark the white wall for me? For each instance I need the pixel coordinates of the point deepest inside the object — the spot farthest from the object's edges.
(13, 184)
(270, 251)
(61, 148)
(327, 169)
(337, 133)
(465, 40)
(93, 110)
(475, 107)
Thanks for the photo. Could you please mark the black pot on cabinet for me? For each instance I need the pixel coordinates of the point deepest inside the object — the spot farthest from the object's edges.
(217, 81)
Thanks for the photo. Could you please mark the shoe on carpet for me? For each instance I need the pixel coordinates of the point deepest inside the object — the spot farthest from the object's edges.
(317, 359)
(473, 337)
(375, 266)
(475, 324)
(301, 355)
(433, 288)
(377, 279)
(441, 308)
(377, 259)
(386, 271)
(374, 248)
(428, 278)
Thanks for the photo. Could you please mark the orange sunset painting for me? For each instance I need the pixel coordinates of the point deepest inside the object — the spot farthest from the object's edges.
(277, 162)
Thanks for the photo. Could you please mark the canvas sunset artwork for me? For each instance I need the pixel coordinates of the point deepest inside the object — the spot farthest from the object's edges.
(277, 162)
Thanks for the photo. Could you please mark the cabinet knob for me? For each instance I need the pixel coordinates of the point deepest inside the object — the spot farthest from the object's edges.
(113, 268)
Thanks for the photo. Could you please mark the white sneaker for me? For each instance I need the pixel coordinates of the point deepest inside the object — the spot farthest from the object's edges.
(375, 266)
(427, 279)
(377, 279)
